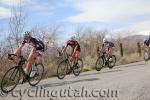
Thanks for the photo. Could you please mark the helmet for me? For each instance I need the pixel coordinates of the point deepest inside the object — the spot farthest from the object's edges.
(73, 38)
(105, 40)
(27, 35)
(148, 36)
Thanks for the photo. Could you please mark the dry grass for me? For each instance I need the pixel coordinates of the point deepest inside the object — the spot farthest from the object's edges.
(89, 64)
(126, 59)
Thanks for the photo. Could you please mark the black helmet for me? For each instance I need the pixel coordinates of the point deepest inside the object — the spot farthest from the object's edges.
(27, 35)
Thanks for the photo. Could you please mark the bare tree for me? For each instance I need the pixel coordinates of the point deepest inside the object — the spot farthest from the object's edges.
(79, 33)
(47, 34)
(16, 24)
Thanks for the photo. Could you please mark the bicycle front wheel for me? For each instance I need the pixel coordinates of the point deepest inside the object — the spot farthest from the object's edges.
(78, 67)
(34, 80)
(112, 61)
(10, 79)
(99, 64)
(146, 55)
(62, 69)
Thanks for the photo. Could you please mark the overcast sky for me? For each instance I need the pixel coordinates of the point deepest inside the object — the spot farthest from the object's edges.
(113, 15)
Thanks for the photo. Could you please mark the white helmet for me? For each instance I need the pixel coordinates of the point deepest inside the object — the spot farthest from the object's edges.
(27, 35)
(107, 38)
(73, 37)
(149, 36)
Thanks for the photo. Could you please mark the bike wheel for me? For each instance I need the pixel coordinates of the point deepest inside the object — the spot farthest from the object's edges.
(99, 64)
(10, 79)
(112, 63)
(77, 68)
(33, 81)
(62, 69)
(146, 55)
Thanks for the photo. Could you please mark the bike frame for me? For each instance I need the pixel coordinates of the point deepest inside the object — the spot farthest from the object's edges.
(20, 65)
(70, 64)
(67, 60)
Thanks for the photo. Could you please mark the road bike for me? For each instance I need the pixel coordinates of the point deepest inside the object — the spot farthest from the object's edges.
(67, 65)
(11, 78)
(146, 53)
(105, 60)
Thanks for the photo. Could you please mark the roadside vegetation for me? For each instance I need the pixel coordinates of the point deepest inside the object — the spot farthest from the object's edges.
(89, 39)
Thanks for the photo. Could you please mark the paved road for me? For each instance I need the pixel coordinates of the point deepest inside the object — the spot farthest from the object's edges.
(126, 82)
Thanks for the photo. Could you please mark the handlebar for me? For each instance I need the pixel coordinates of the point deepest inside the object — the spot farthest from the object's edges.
(64, 54)
(59, 52)
(10, 56)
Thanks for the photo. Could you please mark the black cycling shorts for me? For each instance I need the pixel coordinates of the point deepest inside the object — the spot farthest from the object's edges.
(79, 48)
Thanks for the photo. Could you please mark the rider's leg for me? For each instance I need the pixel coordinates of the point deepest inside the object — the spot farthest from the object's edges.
(110, 52)
(148, 47)
(107, 53)
(39, 56)
(77, 56)
(30, 60)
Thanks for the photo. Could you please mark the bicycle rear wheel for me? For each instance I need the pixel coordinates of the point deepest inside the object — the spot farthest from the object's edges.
(99, 64)
(62, 69)
(146, 55)
(10, 79)
(33, 81)
(112, 63)
(77, 68)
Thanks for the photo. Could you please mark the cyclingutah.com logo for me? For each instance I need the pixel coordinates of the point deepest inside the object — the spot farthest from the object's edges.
(69, 92)
(2, 94)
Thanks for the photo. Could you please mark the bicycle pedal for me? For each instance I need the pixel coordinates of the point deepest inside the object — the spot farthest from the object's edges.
(23, 80)
(26, 77)
(36, 74)
(106, 63)
(75, 66)
(69, 71)
(32, 74)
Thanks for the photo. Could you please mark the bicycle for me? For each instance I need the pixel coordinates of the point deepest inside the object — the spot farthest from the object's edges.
(104, 60)
(11, 78)
(66, 66)
(146, 53)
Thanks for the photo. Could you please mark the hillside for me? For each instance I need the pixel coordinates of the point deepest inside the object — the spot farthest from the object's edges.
(135, 38)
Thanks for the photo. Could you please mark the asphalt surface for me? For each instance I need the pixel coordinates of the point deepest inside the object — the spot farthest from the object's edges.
(126, 82)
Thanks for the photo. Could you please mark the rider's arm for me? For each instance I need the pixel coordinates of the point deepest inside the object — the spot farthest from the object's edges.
(74, 50)
(149, 43)
(102, 47)
(64, 49)
(19, 49)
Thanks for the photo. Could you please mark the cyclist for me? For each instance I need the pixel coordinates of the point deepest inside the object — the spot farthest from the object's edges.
(107, 47)
(147, 43)
(37, 49)
(76, 49)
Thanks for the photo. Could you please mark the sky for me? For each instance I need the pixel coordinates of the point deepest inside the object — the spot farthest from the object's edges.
(112, 15)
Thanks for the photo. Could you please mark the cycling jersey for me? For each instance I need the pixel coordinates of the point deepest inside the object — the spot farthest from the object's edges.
(108, 44)
(73, 44)
(147, 42)
(38, 44)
